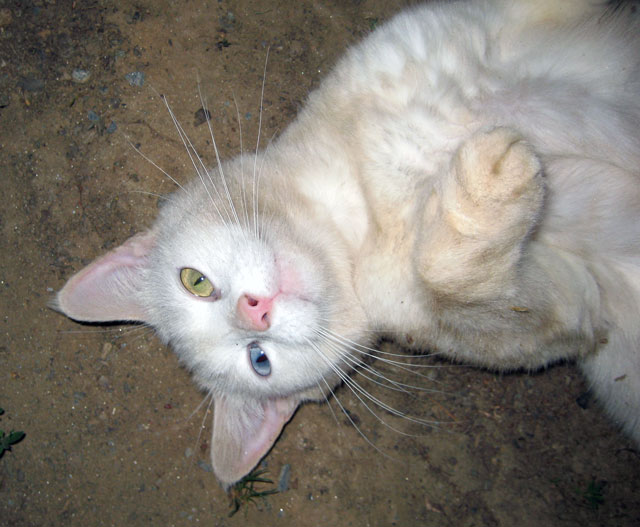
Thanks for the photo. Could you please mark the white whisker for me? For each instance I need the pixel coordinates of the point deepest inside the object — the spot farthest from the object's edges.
(371, 352)
(204, 417)
(120, 330)
(218, 160)
(359, 365)
(242, 175)
(150, 161)
(353, 423)
(374, 351)
(255, 163)
(191, 152)
(259, 218)
(264, 157)
(362, 394)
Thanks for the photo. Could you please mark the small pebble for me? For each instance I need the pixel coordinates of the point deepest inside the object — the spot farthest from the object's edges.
(112, 127)
(80, 76)
(201, 116)
(205, 466)
(188, 452)
(93, 116)
(135, 78)
(31, 84)
(106, 349)
(584, 400)
(285, 476)
(5, 17)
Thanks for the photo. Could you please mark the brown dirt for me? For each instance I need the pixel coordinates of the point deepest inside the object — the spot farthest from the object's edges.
(112, 437)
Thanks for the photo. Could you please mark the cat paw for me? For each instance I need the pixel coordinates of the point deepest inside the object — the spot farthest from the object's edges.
(499, 183)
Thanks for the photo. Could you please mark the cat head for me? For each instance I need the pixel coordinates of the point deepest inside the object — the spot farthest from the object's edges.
(258, 306)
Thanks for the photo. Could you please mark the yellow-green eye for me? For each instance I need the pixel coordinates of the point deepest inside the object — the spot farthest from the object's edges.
(196, 283)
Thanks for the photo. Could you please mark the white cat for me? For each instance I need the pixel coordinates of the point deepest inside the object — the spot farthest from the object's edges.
(468, 175)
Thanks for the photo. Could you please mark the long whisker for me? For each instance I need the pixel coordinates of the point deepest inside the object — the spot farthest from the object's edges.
(370, 352)
(242, 180)
(204, 417)
(218, 160)
(385, 382)
(191, 152)
(176, 203)
(342, 407)
(378, 377)
(353, 423)
(362, 394)
(255, 163)
(264, 157)
(200, 404)
(259, 222)
(353, 363)
(326, 397)
(153, 163)
(374, 351)
(118, 331)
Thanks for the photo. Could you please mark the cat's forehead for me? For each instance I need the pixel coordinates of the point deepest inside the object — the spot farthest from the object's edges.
(205, 242)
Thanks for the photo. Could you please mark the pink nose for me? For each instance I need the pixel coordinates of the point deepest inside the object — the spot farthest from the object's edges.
(255, 312)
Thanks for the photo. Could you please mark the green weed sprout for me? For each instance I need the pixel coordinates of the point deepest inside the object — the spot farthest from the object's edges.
(10, 439)
(594, 494)
(244, 491)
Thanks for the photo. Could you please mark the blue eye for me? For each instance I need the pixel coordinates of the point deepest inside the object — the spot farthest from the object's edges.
(259, 360)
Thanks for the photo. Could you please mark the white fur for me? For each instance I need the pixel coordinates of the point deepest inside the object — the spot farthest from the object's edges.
(468, 175)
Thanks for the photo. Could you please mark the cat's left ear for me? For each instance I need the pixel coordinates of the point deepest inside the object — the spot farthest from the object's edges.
(106, 289)
(244, 431)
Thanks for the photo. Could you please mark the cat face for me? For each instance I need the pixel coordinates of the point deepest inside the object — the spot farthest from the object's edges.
(243, 312)
(258, 306)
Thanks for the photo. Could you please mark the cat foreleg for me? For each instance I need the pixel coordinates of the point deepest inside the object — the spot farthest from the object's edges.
(476, 222)
(505, 299)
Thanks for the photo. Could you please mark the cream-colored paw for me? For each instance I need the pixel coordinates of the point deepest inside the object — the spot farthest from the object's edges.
(499, 183)
(474, 230)
(498, 166)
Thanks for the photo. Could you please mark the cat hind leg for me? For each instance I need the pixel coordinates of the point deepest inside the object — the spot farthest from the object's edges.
(614, 375)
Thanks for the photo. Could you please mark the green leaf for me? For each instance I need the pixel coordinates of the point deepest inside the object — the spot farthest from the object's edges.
(244, 492)
(15, 437)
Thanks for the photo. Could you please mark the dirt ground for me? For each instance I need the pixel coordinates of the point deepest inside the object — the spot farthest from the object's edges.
(114, 431)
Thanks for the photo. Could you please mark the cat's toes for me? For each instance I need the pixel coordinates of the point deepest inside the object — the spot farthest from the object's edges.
(499, 166)
(498, 187)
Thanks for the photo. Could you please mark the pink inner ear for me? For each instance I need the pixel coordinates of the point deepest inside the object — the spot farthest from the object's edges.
(243, 432)
(106, 289)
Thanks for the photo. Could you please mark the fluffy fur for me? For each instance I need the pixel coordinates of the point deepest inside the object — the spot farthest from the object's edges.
(467, 175)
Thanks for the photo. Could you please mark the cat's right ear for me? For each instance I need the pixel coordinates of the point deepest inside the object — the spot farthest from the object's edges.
(106, 289)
